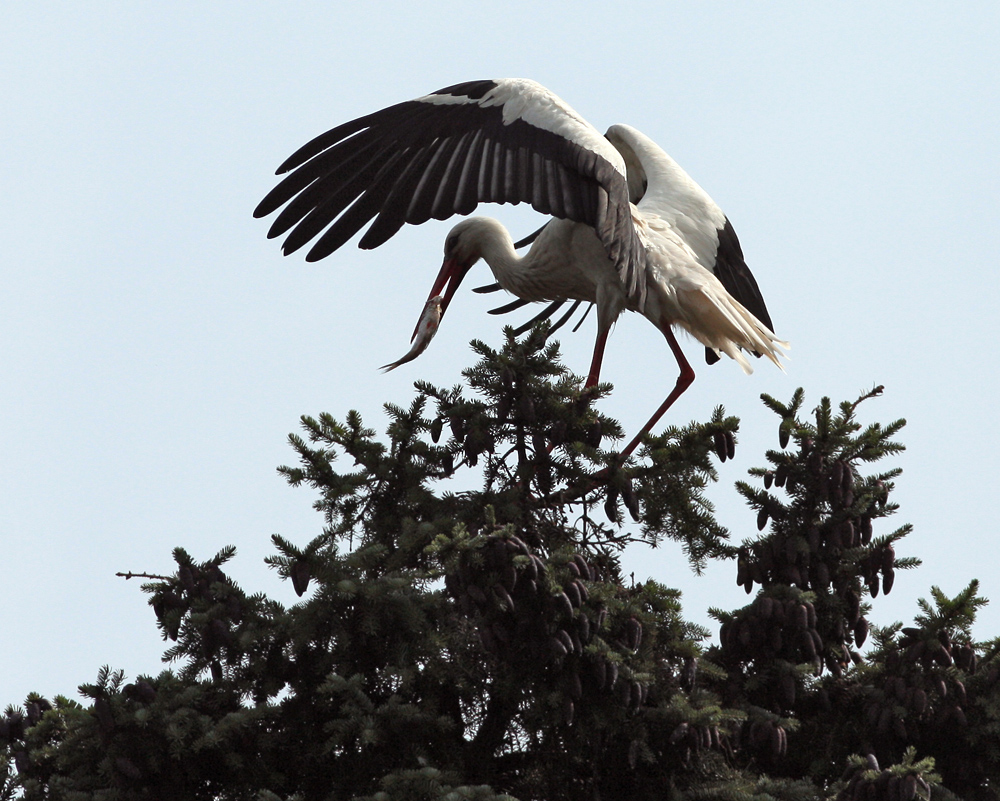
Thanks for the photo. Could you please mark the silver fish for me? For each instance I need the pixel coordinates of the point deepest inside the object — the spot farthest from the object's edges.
(426, 329)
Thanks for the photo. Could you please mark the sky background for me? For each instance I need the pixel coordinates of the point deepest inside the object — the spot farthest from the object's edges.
(157, 349)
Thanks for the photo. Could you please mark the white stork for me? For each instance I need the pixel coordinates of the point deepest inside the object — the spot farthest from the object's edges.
(631, 229)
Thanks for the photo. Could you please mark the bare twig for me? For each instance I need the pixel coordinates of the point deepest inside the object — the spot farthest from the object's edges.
(131, 575)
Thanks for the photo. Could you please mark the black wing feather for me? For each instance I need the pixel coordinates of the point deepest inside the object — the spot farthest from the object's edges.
(446, 198)
(341, 186)
(355, 217)
(544, 314)
(421, 159)
(529, 238)
(393, 213)
(732, 271)
(466, 198)
(514, 305)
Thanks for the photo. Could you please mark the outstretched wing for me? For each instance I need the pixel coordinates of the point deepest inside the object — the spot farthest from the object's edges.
(504, 141)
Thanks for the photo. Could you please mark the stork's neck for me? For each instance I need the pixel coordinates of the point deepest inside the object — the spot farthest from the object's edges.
(496, 247)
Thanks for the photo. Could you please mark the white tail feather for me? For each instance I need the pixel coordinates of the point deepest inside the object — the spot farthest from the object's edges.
(717, 320)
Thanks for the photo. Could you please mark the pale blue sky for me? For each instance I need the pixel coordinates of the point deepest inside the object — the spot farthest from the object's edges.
(157, 348)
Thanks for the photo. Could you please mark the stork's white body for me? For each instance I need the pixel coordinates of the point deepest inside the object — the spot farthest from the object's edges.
(631, 229)
(568, 262)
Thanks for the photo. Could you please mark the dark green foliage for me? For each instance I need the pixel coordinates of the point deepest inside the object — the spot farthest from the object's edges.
(465, 630)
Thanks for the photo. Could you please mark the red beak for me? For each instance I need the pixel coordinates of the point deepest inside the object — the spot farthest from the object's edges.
(452, 272)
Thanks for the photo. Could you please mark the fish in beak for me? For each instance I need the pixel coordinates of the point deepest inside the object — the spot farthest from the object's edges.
(426, 329)
(445, 285)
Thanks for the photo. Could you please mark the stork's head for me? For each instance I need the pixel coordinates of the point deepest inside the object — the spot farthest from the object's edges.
(466, 240)
(465, 245)
(462, 249)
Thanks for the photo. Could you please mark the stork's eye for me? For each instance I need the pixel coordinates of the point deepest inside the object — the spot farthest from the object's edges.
(451, 243)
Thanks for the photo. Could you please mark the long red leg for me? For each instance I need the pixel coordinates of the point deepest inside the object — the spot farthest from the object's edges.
(595, 364)
(683, 382)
